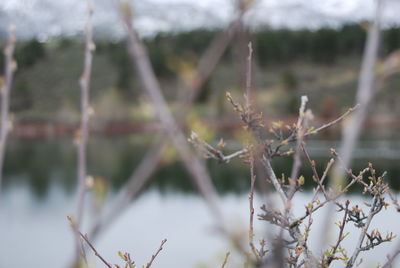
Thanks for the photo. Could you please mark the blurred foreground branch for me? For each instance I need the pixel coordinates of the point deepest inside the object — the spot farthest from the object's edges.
(364, 96)
(82, 134)
(195, 168)
(148, 166)
(10, 66)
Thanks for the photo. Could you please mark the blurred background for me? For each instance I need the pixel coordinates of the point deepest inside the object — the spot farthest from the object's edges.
(311, 48)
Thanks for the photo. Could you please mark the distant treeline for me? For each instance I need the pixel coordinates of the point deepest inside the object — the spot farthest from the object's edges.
(271, 46)
(324, 45)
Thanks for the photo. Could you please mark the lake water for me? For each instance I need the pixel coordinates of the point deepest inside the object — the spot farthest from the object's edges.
(39, 194)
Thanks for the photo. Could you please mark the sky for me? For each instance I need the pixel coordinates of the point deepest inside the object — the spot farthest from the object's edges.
(47, 18)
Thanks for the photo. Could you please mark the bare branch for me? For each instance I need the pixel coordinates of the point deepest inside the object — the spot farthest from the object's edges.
(340, 238)
(84, 237)
(251, 207)
(211, 152)
(372, 213)
(153, 257)
(337, 120)
(225, 260)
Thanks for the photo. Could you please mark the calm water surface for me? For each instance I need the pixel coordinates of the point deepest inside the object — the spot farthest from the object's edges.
(39, 193)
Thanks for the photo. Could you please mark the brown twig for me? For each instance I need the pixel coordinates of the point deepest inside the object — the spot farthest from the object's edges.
(337, 120)
(86, 239)
(372, 213)
(340, 238)
(10, 66)
(154, 256)
(251, 207)
(211, 152)
(293, 136)
(317, 179)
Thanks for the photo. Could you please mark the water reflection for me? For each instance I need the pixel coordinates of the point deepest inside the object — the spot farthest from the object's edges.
(45, 162)
(40, 177)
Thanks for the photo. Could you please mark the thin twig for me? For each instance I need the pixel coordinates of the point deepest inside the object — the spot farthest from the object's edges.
(251, 207)
(340, 236)
(363, 232)
(225, 260)
(320, 181)
(249, 90)
(153, 257)
(94, 250)
(84, 237)
(337, 120)
(293, 136)
(10, 66)
(211, 152)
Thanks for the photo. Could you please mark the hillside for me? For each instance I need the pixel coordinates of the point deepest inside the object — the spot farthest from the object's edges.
(323, 64)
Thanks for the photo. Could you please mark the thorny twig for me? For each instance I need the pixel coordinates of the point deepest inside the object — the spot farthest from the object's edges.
(10, 66)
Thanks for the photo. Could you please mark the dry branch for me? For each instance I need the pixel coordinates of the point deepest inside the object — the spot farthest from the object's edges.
(154, 256)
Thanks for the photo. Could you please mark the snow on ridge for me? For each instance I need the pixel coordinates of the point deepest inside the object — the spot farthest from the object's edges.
(47, 18)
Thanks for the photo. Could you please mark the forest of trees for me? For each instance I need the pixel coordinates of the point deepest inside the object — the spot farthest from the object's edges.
(324, 45)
